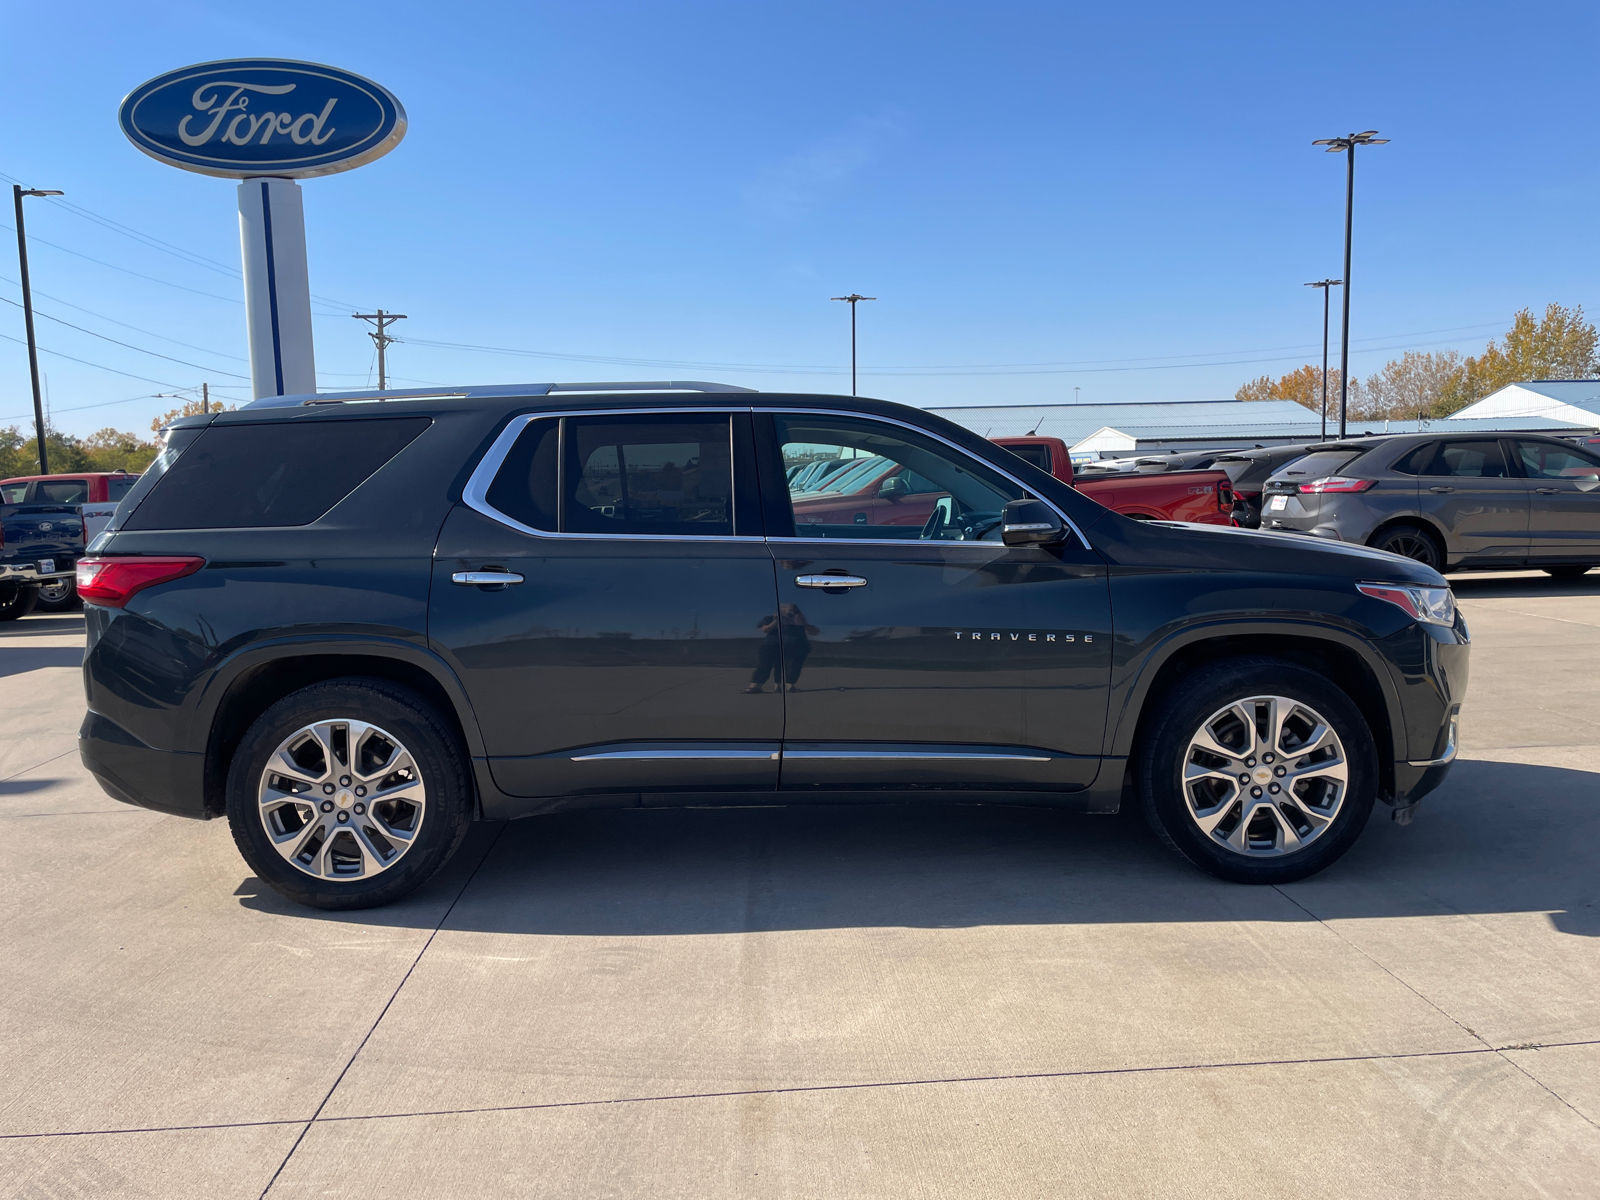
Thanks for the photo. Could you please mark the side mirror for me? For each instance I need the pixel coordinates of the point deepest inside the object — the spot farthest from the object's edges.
(1030, 523)
(1587, 483)
(894, 487)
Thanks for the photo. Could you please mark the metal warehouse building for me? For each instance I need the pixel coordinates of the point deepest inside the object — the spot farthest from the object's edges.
(1096, 430)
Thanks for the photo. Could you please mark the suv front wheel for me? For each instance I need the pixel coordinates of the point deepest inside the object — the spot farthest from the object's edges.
(348, 794)
(1258, 771)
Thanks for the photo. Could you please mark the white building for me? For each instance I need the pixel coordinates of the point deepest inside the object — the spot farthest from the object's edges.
(1572, 401)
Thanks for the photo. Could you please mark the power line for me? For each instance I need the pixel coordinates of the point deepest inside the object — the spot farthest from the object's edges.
(87, 363)
(128, 345)
(380, 339)
(125, 325)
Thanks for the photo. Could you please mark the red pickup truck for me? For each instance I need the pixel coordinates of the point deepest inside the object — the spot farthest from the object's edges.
(1205, 497)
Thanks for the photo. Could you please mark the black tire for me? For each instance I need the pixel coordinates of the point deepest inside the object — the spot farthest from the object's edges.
(59, 596)
(1565, 571)
(17, 600)
(1411, 541)
(1179, 716)
(441, 766)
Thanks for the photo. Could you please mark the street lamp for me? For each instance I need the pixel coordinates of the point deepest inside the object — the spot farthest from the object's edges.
(852, 299)
(1348, 144)
(17, 193)
(1325, 284)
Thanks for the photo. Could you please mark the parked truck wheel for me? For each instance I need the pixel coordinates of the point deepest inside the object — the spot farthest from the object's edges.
(59, 595)
(1257, 771)
(348, 794)
(17, 600)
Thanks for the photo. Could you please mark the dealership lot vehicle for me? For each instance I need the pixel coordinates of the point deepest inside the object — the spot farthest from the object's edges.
(353, 624)
(1203, 497)
(1450, 502)
(1248, 472)
(53, 501)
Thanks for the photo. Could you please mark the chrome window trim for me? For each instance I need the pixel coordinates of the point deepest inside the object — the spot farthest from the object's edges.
(475, 494)
(1002, 472)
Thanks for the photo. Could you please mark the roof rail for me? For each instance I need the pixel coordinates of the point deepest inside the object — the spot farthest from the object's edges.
(509, 390)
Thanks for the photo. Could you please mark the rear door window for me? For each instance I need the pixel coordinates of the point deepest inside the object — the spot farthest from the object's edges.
(270, 475)
(62, 491)
(660, 474)
(1470, 460)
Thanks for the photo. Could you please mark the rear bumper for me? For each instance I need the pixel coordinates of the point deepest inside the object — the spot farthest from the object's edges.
(167, 781)
(28, 572)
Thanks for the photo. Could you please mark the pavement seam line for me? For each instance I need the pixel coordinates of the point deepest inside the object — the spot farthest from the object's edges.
(445, 916)
(37, 765)
(801, 1089)
(1498, 1051)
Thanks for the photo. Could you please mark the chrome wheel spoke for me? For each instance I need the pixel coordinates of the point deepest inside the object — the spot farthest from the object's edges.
(1264, 776)
(345, 765)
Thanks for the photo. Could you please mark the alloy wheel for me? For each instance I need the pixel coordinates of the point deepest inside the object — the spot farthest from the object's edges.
(342, 800)
(1413, 545)
(1264, 776)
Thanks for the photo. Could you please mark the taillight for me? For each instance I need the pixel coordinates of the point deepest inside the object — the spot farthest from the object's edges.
(112, 582)
(1338, 483)
(1224, 497)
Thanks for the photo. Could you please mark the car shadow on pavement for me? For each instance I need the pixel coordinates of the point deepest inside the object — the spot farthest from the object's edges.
(39, 626)
(1498, 837)
(1468, 586)
(18, 659)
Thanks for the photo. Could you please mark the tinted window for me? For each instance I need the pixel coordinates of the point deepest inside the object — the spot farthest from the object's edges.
(1320, 464)
(947, 497)
(1472, 460)
(525, 486)
(120, 486)
(1542, 460)
(647, 475)
(1416, 462)
(12, 493)
(287, 473)
(62, 491)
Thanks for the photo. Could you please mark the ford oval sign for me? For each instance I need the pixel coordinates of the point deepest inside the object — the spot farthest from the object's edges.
(262, 116)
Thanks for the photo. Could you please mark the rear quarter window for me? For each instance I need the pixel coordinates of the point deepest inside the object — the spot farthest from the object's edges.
(270, 475)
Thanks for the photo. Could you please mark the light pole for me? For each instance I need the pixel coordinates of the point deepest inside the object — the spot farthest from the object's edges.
(1348, 144)
(852, 300)
(1325, 284)
(17, 193)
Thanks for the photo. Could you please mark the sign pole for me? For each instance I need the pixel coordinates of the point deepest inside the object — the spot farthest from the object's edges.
(277, 288)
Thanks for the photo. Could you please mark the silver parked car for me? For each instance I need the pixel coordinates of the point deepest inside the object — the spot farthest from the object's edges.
(1451, 502)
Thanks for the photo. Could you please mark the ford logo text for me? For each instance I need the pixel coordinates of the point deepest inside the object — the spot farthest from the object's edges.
(256, 116)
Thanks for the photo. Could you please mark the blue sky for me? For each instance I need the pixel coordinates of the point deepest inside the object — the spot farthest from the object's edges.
(1121, 199)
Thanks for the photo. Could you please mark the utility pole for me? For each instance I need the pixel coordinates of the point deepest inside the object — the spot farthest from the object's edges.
(1325, 284)
(1348, 145)
(852, 299)
(17, 193)
(205, 397)
(383, 320)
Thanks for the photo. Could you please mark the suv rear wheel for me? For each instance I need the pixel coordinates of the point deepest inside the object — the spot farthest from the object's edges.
(1258, 771)
(348, 794)
(1411, 542)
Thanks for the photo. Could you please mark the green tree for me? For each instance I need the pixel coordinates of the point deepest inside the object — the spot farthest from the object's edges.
(113, 450)
(1562, 345)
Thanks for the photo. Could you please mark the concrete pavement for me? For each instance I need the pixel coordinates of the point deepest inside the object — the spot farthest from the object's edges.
(891, 1001)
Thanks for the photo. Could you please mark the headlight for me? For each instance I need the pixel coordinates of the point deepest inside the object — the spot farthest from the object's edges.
(1435, 605)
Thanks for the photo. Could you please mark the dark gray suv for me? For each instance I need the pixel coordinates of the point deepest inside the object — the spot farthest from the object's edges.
(1450, 502)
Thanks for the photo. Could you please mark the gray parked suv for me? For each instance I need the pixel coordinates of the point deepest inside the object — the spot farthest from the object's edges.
(1451, 502)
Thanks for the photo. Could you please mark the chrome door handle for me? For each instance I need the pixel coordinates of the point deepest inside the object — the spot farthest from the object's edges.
(830, 581)
(1548, 491)
(1441, 490)
(480, 578)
